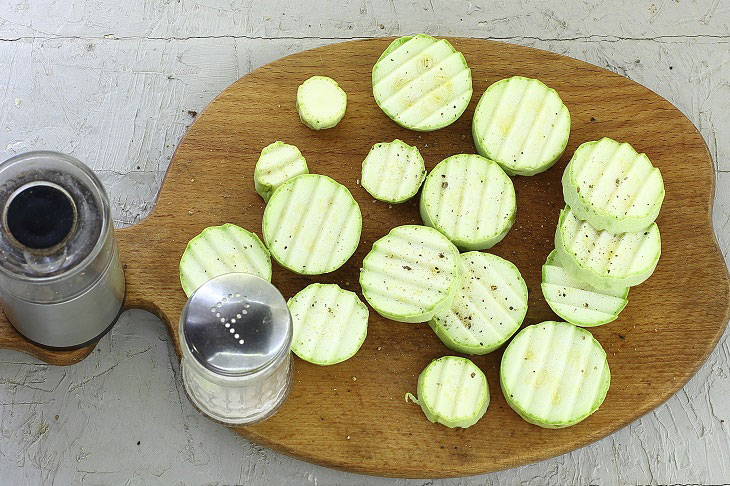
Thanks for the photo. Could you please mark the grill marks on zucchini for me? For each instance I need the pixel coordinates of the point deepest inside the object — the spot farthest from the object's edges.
(330, 324)
(613, 187)
(278, 163)
(218, 250)
(393, 172)
(452, 391)
(604, 259)
(312, 224)
(422, 83)
(578, 302)
(487, 310)
(470, 200)
(554, 374)
(410, 274)
(522, 125)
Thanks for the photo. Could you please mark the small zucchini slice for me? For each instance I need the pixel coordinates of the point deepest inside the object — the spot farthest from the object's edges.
(312, 224)
(218, 250)
(578, 302)
(488, 308)
(452, 391)
(278, 163)
(392, 172)
(603, 259)
(321, 103)
(411, 274)
(422, 83)
(470, 200)
(522, 125)
(613, 187)
(330, 324)
(554, 374)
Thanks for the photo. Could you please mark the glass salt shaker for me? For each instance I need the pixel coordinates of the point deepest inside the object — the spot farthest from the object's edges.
(235, 334)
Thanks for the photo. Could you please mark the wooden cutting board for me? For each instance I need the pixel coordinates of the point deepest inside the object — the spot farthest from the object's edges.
(353, 415)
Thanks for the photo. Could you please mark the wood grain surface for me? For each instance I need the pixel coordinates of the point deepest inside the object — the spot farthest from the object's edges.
(352, 415)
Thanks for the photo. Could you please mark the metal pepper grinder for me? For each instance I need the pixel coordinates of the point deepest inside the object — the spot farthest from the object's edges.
(61, 281)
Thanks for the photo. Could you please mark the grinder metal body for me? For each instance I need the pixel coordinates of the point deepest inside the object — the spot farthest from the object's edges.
(61, 280)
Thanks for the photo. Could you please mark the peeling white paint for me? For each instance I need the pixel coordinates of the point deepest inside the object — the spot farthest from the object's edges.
(112, 83)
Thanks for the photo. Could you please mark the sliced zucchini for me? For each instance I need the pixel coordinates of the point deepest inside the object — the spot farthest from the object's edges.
(603, 259)
(393, 171)
(330, 324)
(278, 163)
(452, 391)
(578, 302)
(554, 374)
(613, 187)
(321, 103)
(422, 83)
(312, 224)
(487, 310)
(522, 125)
(222, 249)
(470, 200)
(411, 274)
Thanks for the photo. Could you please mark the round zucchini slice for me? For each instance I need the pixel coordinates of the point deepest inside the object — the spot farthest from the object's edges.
(488, 308)
(522, 125)
(312, 224)
(554, 374)
(470, 200)
(278, 163)
(218, 250)
(422, 83)
(411, 274)
(452, 391)
(603, 259)
(578, 302)
(392, 172)
(613, 187)
(330, 324)
(321, 103)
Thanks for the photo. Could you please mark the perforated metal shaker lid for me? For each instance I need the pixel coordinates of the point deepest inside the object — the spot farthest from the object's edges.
(236, 324)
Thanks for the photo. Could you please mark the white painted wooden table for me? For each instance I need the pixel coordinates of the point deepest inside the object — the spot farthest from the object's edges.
(116, 83)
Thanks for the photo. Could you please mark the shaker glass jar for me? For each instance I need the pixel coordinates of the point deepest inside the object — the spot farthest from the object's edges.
(235, 336)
